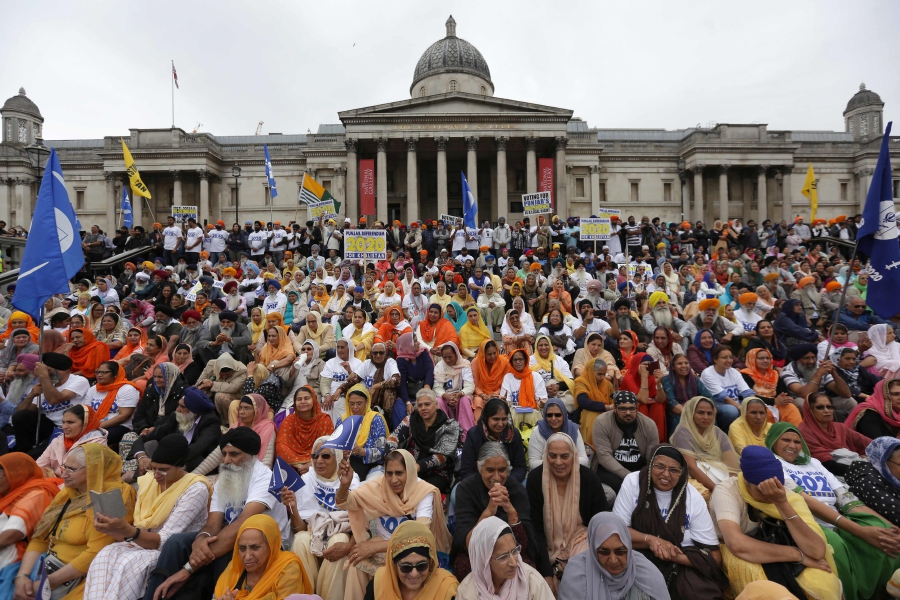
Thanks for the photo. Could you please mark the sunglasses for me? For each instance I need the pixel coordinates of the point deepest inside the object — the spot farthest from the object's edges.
(823, 407)
(378, 352)
(407, 568)
(322, 455)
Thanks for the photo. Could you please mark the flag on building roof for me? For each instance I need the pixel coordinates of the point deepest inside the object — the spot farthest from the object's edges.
(811, 192)
(311, 192)
(470, 207)
(273, 190)
(175, 75)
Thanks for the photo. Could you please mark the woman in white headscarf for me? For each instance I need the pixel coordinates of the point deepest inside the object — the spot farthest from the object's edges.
(886, 350)
(498, 571)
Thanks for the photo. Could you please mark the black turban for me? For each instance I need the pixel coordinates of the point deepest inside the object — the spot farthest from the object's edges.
(620, 303)
(797, 352)
(243, 438)
(164, 309)
(57, 361)
(228, 315)
(172, 450)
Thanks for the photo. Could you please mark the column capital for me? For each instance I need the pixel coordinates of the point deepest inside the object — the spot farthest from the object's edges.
(501, 143)
(561, 143)
(723, 169)
(530, 143)
(340, 171)
(595, 169)
(176, 175)
(108, 175)
(441, 143)
(411, 144)
(21, 180)
(120, 178)
(472, 143)
(311, 172)
(350, 144)
(381, 144)
(698, 169)
(787, 169)
(204, 174)
(762, 170)
(6, 181)
(864, 171)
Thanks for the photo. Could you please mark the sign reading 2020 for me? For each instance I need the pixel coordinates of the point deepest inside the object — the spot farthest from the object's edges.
(365, 244)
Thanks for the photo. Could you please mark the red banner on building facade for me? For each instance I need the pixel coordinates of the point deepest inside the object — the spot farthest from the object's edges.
(367, 186)
(545, 178)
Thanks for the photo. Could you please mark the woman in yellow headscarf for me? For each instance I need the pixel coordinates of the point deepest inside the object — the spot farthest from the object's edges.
(549, 365)
(259, 568)
(411, 543)
(367, 455)
(473, 333)
(257, 324)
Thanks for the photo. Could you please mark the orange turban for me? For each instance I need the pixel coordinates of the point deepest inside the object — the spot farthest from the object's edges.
(535, 267)
(772, 276)
(709, 303)
(832, 286)
(748, 298)
(805, 281)
(229, 271)
(685, 225)
(818, 221)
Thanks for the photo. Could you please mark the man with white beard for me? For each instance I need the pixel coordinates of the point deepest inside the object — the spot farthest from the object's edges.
(192, 562)
(228, 337)
(274, 301)
(193, 331)
(196, 419)
(746, 315)
(722, 329)
(805, 374)
(660, 315)
(233, 301)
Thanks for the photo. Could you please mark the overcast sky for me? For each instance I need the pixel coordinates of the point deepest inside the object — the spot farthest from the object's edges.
(99, 68)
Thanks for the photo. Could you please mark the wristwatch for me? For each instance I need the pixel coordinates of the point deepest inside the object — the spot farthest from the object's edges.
(137, 534)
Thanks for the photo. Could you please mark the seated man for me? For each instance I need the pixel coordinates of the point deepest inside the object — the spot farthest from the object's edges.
(626, 321)
(660, 315)
(223, 381)
(591, 322)
(723, 330)
(228, 337)
(192, 562)
(193, 331)
(622, 440)
(856, 316)
(803, 376)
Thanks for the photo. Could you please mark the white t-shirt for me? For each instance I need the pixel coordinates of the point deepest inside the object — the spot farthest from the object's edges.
(748, 322)
(367, 371)
(277, 236)
(194, 236)
(459, 239)
(257, 241)
(415, 306)
(816, 480)
(276, 303)
(731, 382)
(598, 325)
(319, 496)
(560, 367)
(127, 397)
(218, 240)
(336, 373)
(487, 237)
(386, 524)
(257, 492)
(509, 389)
(54, 412)
(474, 243)
(383, 301)
(172, 235)
(698, 525)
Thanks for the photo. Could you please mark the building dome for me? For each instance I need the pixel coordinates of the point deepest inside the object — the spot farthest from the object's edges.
(21, 103)
(863, 97)
(451, 55)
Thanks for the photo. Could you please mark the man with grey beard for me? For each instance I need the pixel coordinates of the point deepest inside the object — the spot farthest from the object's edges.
(196, 419)
(193, 331)
(167, 326)
(805, 375)
(723, 330)
(191, 563)
(228, 337)
(19, 386)
(660, 315)
(627, 322)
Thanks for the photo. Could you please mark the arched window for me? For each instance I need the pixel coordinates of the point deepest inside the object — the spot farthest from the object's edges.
(483, 91)
(454, 86)
(422, 92)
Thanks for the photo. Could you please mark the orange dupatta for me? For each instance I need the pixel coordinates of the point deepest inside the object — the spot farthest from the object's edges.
(440, 333)
(490, 379)
(127, 350)
(90, 356)
(526, 381)
(111, 391)
(295, 438)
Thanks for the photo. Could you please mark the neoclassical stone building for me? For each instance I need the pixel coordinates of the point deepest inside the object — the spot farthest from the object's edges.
(453, 122)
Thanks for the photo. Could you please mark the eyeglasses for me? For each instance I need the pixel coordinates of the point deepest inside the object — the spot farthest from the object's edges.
(72, 469)
(660, 468)
(504, 558)
(323, 456)
(156, 471)
(102, 372)
(407, 568)
(626, 410)
(605, 552)
(823, 407)
(378, 352)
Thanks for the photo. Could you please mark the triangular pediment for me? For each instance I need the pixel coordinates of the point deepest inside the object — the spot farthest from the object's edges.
(454, 105)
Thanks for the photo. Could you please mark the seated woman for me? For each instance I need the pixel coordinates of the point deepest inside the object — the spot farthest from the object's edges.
(454, 386)
(610, 568)
(300, 429)
(648, 388)
(492, 492)
(86, 352)
(515, 333)
(361, 334)
(262, 383)
(111, 332)
(306, 370)
(761, 377)
(380, 375)
(416, 373)
(411, 568)
(524, 390)
(488, 369)
(885, 350)
(277, 355)
(671, 525)
(473, 333)
(767, 339)
(560, 334)
(494, 426)
(391, 326)
(550, 366)
(751, 427)
(782, 518)
(562, 496)
(80, 426)
(367, 456)
(825, 436)
(160, 399)
(139, 368)
(69, 523)
(187, 366)
(169, 500)
(259, 568)
(792, 326)
(879, 415)
(706, 449)
(390, 500)
(501, 572)
(700, 352)
(593, 348)
(431, 437)
(664, 349)
(861, 539)
(726, 385)
(680, 385)
(556, 420)
(25, 493)
(593, 397)
(252, 412)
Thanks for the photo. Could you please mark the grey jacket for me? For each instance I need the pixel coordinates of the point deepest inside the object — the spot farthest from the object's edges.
(608, 436)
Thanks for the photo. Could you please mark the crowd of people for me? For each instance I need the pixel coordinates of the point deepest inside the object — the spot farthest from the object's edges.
(674, 412)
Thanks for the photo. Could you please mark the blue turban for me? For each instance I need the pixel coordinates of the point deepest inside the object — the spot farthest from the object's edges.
(758, 464)
(273, 282)
(490, 257)
(358, 289)
(196, 401)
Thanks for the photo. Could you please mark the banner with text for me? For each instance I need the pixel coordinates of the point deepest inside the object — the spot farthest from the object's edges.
(365, 244)
(182, 213)
(322, 210)
(536, 204)
(545, 177)
(594, 230)
(367, 186)
(450, 219)
(609, 212)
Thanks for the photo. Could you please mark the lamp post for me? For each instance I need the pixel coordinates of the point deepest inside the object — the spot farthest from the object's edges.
(35, 152)
(236, 171)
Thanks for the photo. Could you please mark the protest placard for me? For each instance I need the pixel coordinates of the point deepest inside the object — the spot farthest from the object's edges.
(365, 244)
(594, 230)
(191, 296)
(609, 212)
(182, 213)
(536, 204)
(451, 220)
(322, 210)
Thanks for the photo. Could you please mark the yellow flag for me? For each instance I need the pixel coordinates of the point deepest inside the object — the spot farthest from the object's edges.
(137, 186)
(809, 190)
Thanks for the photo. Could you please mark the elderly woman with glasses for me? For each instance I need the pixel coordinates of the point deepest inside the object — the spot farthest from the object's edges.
(411, 568)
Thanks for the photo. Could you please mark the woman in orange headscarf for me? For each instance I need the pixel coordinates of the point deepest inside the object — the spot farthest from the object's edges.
(300, 429)
(651, 396)
(524, 390)
(24, 493)
(434, 334)
(488, 368)
(565, 298)
(392, 325)
(19, 320)
(135, 341)
(86, 352)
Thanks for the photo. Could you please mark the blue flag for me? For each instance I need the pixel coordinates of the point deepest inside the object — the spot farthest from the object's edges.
(470, 207)
(284, 476)
(273, 191)
(877, 238)
(344, 436)
(127, 219)
(49, 261)
(42, 591)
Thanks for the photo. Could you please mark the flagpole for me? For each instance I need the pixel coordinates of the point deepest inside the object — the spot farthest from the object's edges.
(37, 431)
(837, 312)
(172, 77)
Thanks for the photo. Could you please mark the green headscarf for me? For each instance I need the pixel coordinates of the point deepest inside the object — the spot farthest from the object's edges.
(779, 429)
(862, 288)
(460, 319)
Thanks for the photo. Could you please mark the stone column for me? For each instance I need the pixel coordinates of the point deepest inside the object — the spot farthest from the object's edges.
(441, 143)
(699, 212)
(501, 202)
(6, 200)
(111, 201)
(530, 165)
(204, 198)
(340, 188)
(23, 201)
(865, 181)
(723, 192)
(685, 190)
(351, 207)
(472, 165)
(561, 204)
(787, 209)
(381, 202)
(412, 180)
(762, 201)
(595, 189)
(176, 197)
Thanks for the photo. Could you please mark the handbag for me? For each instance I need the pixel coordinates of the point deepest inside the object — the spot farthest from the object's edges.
(54, 564)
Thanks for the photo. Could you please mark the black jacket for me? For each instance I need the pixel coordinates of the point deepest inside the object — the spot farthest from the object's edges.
(205, 439)
(475, 439)
(147, 412)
